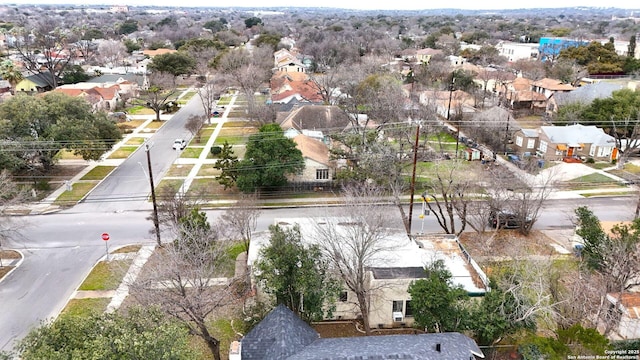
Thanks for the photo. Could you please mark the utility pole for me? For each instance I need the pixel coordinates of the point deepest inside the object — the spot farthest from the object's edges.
(156, 222)
(453, 81)
(506, 134)
(413, 177)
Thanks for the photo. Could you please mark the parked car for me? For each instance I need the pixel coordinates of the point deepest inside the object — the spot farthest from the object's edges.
(119, 116)
(505, 219)
(179, 144)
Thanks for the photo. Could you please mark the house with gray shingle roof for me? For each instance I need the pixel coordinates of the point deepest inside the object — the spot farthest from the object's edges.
(572, 141)
(584, 94)
(282, 335)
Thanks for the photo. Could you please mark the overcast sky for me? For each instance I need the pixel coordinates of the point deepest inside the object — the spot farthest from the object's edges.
(352, 4)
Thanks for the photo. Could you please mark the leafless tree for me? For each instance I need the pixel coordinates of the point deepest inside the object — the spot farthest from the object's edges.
(44, 49)
(112, 51)
(247, 70)
(627, 136)
(209, 93)
(10, 195)
(241, 219)
(327, 83)
(533, 70)
(522, 195)
(181, 278)
(193, 124)
(354, 239)
(449, 195)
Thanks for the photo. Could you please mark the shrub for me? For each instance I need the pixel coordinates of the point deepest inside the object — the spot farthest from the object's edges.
(216, 150)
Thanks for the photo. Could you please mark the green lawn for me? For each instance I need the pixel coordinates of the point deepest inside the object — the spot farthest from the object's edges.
(140, 110)
(98, 173)
(106, 275)
(123, 152)
(67, 155)
(191, 153)
(185, 99)
(155, 125)
(225, 100)
(592, 180)
(204, 134)
(85, 307)
(208, 170)
(136, 141)
(78, 191)
(168, 187)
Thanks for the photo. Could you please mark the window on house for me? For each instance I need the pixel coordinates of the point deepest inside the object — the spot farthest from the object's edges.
(408, 311)
(343, 296)
(322, 174)
(543, 147)
(531, 143)
(519, 140)
(397, 305)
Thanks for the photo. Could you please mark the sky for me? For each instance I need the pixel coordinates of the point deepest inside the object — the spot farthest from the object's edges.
(353, 4)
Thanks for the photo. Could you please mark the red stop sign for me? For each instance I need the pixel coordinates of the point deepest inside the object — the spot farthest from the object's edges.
(105, 236)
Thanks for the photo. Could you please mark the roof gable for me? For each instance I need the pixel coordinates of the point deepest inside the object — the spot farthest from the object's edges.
(279, 335)
(312, 149)
(317, 117)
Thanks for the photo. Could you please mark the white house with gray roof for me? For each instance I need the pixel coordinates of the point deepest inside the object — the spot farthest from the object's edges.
(391, 270)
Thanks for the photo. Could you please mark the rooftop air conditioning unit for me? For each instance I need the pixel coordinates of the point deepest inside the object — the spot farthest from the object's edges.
(397, 316)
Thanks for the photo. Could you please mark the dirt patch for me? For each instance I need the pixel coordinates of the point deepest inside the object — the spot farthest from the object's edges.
(4, 270)
(508, 243)
(9, 254)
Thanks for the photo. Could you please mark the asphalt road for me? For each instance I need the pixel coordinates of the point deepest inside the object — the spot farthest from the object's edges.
(128, 187)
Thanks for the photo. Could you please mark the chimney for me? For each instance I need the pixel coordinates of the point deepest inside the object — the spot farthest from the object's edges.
(438, 347)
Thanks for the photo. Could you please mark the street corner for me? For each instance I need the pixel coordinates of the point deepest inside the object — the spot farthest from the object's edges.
(9, 261)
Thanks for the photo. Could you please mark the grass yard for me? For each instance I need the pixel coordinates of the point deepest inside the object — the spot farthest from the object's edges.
(591, 181)
(155, 125)
(65, 154)
(78, 191)
(179, 170)
(136, 141)
(123, 152)
(168, 187)
(185, 99)
(140, 110)
(599, 165)
(225, 100)
(237, 114)
(127, 249)
(191, 153)
(209, 188)
(208, 170)
(98, 173)
(236, 124)
(106, 275)
(85, 307)
(133, 124)
(204, 135)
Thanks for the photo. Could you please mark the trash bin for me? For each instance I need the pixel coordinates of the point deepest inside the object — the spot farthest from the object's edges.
(540, 163)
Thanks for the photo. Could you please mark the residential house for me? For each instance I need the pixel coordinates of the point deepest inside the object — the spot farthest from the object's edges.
(448, 104)
(325, 118)
(425, 55)
(100, 97)
(390, 271)
(285, 61)
(37, 83)
(572, 141)
(318, 168)
(284, 336)
(515, 51)
(584, 94)
(627, 305)
(286, 86)
(534, 102)
(549, 87)
(161, 51)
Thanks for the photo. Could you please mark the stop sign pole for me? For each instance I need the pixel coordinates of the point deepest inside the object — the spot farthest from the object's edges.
(105, 237)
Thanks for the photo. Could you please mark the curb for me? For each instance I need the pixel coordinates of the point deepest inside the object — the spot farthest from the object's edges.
(14, 266)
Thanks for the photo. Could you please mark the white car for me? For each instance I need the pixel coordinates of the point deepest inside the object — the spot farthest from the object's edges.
(179, 144)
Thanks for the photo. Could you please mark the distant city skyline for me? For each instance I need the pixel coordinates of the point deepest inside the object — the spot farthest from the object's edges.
(341, 4)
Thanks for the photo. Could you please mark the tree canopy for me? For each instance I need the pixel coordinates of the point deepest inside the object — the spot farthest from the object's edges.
(269, 158)
(34, 129)
(296, 274)
(436, 302)
(176, 64)
(139, 334)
